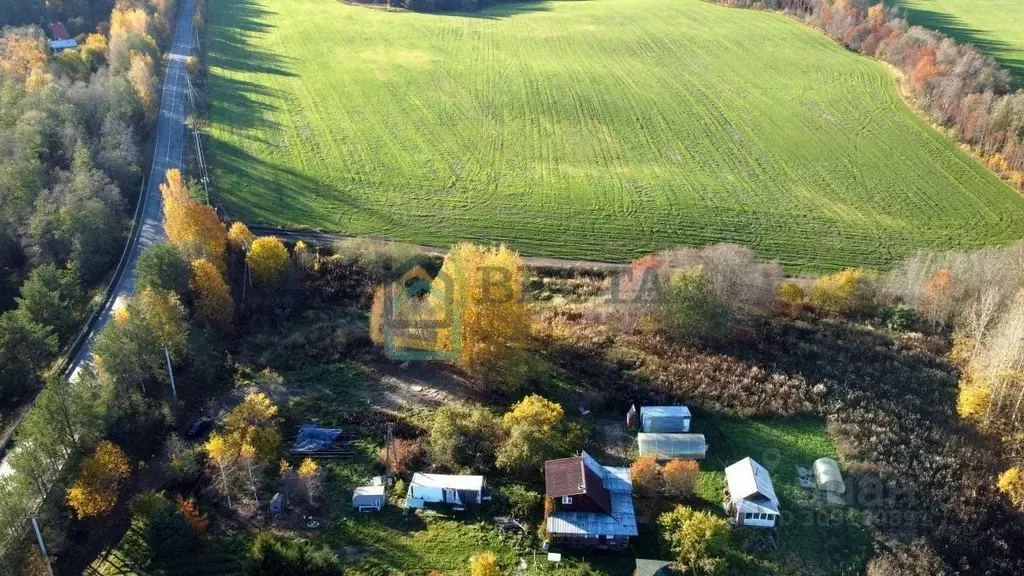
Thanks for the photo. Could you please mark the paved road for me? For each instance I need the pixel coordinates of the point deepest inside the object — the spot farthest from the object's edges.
(168, 152)
(316, 237)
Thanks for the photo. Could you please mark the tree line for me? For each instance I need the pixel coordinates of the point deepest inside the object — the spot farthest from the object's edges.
(71, 137)
(957, 86)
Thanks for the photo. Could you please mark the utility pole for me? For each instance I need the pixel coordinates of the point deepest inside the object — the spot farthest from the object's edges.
(170, 371)
(42, 547)
(389, 451)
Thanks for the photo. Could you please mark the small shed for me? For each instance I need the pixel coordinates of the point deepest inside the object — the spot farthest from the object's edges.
(454, 489)
(367, 498)
(669, 419)
(752, 499)
(58, 46)
(827, 476)
(669, 446)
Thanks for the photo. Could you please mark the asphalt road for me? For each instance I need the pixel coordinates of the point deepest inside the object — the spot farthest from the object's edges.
(168, 152)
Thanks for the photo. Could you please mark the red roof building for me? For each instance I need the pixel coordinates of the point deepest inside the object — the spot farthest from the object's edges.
(58, 31)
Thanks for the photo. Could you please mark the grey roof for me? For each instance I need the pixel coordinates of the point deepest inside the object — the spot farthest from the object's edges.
(63, 44)
(646, 567)
(664, 446)
(664, 412)
(750, 487)
(620, 522)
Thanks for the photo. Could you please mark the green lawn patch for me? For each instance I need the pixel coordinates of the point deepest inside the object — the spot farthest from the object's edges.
(605, 129)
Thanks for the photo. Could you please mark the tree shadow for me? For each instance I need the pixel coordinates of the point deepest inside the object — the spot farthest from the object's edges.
(1007, 55)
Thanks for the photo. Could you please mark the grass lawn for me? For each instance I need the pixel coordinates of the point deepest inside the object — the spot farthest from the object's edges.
(813, 538)
(603, 129)
(994, 26)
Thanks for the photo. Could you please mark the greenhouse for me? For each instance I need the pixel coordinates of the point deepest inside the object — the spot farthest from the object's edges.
(669, 446)
(827, 476)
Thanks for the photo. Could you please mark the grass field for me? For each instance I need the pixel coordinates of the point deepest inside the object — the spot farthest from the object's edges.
(600, 129)
(994, 26)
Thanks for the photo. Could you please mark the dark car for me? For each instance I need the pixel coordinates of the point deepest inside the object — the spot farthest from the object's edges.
(199, 427)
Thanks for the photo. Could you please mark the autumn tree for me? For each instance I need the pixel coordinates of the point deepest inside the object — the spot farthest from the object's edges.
(212, 295)
(247, 458)
(531, 434)
(680, 477)
(792, 298)
(94, 492)
(646, 475)
(267, 259)
(936, 303)
(845, 293)
(239, 237)
(254, 422)
(130, 349)
(310, 478)
(492, 312)
(699, 540)
(692, 311)
(24, 54)
(1011, 483)
(193, 227)
(196, 519)
(484, 564)
(222, 457)
(143, 80)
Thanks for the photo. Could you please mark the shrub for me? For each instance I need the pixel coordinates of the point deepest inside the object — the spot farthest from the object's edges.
(407, 456)
(692, 311)
(846, 293)
(680, 477)
(270, 556)
(463, 437)
(522, 502)
(699, 541)
(646, 476)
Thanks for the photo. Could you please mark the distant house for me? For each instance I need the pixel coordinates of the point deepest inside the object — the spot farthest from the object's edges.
(452, 489)
(662, 446)
(752, 499)
(667, 419)
(593, 503)
(61, 39)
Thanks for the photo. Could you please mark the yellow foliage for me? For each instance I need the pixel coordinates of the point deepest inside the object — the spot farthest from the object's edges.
(196, 520)
(1011, 483)
(129, 22)
(535, 411)
(484, 564)
(876, 15)
(843, 293)
(94, 492)
(140, 74)
(23, 56)
(973, 398)
(267, 258)
(253, 422)
(792, 296)
(219, 451)
(308, 469)
(492, 311)
(646, 475)
(94, 48)
(213, 297)
(191, 226)
(680, 477)
(240, 237)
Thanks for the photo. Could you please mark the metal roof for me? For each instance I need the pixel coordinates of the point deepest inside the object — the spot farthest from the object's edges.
(453, 481)
(747, 480)
(621, 521)
(574, 476)
(666, 446)
(664, 412)
(368, 491)
(827, 475)
(63, 44)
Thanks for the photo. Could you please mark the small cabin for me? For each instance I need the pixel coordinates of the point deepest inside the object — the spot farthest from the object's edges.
(752, 499)
(593, 503)
(368, 498)
(665, 419)
(458, 490)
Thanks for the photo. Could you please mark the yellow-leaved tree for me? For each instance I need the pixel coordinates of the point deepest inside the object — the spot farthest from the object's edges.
(143, 81)
(240, 237)
(254, 422)
(309, 478)
(493, 315)
(213, 297)
(221, 456)
(94, 492)
(267, 258)
(1011, 483)
(845, 293)
(191, 226)
(531, 434)
(23, 53)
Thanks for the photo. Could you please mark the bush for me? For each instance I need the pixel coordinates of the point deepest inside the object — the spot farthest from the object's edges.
(523, 503)
(408, 456)
(692, 311)
(463, 437)
(699, 541)
(847, 293)
(271, 556)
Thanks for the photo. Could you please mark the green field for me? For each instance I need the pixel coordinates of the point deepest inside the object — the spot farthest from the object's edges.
(602, 129)
(994, 26)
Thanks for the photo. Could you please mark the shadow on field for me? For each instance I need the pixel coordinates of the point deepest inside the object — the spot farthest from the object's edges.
(1006, 54)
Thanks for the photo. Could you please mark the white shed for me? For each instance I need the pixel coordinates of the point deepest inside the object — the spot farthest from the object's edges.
(367, 498)
(670, 419)
(752, 499)
(454, 489)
